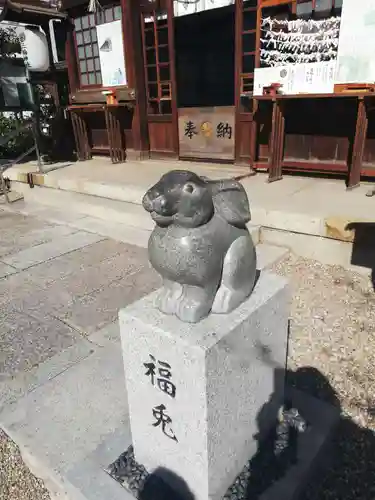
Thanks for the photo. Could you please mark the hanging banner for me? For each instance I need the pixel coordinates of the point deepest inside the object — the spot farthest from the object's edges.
(186, 7)
(111, 54)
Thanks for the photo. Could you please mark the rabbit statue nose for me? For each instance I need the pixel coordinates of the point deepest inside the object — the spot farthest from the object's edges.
(147, 203)
(158, 204)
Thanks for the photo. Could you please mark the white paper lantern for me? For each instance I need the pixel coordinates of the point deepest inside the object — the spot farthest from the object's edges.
(35, 49)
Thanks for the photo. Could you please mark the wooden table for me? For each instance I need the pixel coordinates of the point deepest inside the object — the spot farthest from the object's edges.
(277, 137)
(117, 148)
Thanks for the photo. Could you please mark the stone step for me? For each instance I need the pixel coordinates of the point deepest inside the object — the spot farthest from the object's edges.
(121, 221)
(131, 214)
(69, 207)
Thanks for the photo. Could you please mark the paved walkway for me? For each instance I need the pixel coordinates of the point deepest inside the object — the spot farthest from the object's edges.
(59, 285)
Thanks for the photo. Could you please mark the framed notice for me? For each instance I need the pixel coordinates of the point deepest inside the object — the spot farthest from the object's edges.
(309, 78)
(355, 59)
(111, 54)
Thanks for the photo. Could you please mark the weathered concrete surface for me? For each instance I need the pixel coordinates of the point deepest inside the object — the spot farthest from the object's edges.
(63, 412)
(58, 285)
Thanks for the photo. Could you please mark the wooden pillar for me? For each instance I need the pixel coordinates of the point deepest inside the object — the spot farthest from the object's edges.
(171, 49)
(237, 77)
(70, 56)
(277, 142)
(355, 159)
(135, 75)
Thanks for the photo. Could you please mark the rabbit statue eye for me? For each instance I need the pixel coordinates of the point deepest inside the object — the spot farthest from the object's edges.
(188, 188)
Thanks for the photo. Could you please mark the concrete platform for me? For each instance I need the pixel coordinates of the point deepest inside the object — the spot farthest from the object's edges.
(308, 215)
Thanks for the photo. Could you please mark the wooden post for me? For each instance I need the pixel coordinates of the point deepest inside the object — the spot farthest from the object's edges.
(172, 67)
(135, 74)
(355, 159)
(277, 142)
(70, 57)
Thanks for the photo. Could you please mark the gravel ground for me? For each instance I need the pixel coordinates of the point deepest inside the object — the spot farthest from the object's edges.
(332, 355)
(16, 481)
(333, 330)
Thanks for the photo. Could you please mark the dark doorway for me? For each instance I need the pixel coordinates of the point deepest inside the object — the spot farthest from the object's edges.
(205, 58)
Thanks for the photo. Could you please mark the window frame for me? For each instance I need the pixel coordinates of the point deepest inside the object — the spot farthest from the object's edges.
(94, 20)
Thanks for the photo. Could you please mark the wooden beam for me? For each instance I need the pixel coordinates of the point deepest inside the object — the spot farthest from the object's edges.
(355, 159)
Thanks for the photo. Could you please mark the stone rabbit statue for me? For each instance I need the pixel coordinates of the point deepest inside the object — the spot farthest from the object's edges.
(200, 244)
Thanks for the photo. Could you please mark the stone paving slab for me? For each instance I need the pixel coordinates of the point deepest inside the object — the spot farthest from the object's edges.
(93, 311)
(46, 251)
(24, 382)
(26, 340)
(39, 306)
(6, 270)
(21, 235)
(90, 279)
(23, 224)
(90, 298)
(72, 263)
(50, 412)
(15, 287)
(64, 420)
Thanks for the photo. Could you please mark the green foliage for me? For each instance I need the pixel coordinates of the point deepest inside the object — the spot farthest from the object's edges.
(9, 41)
(18, 143)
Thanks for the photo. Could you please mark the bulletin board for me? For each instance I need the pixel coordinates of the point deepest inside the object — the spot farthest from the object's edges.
(299, 54)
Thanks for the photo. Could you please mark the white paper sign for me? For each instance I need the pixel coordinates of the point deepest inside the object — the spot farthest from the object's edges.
(355, 60)
(308, 78)
(111, 54)
(186, 7)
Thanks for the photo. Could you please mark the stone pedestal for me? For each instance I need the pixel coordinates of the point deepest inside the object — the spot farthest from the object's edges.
(200, 395)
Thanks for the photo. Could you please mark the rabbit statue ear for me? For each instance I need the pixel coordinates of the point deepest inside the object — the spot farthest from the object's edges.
(231, 201)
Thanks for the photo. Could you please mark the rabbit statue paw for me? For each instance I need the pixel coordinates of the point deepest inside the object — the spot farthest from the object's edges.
(194, 304)
(168, 297)
(200, 244)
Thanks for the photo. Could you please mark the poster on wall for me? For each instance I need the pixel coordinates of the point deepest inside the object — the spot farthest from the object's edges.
(355, 59)
(186, 7)
(111, 54)
(308, 78)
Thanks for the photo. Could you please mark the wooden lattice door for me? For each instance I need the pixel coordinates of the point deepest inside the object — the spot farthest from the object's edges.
(158, 58)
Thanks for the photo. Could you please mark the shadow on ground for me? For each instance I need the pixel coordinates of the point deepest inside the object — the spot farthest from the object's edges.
(348, 474)
(363, 252)
(156, 489)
